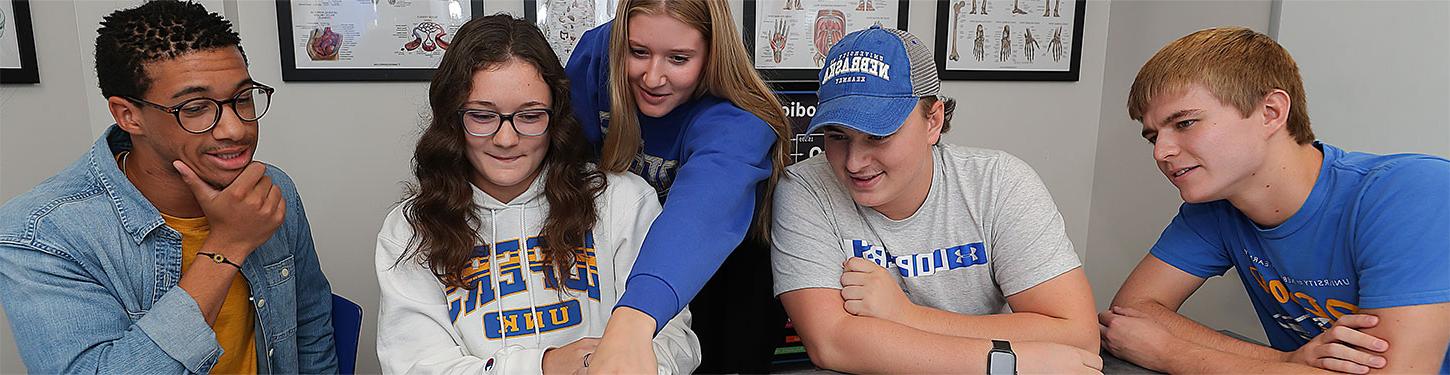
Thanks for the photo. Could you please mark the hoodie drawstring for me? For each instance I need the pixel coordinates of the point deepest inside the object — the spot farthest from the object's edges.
(528, 275)
(493, 270)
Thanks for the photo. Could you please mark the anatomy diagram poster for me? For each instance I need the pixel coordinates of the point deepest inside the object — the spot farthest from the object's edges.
(9, 43)
(796, 34)
(564, 21)
(373, 34)
(1010, 35)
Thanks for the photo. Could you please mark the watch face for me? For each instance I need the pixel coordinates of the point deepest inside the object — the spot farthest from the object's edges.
(1001, 363)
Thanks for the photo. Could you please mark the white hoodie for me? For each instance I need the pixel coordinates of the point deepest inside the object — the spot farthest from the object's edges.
(427, 328)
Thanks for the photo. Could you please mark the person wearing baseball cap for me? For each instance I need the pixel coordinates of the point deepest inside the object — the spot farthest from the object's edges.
(895, 253)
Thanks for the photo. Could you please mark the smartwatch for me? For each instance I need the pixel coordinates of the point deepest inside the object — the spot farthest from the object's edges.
(1001, 360)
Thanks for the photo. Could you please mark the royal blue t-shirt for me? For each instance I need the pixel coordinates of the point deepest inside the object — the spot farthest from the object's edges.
(1373, 233)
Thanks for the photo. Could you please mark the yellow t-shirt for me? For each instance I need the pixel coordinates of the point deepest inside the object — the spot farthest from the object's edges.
(234, 324)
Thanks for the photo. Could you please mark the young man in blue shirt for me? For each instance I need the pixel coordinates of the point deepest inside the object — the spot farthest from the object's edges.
(1343, 254)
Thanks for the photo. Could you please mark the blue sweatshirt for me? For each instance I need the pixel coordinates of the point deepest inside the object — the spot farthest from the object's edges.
(707, 160)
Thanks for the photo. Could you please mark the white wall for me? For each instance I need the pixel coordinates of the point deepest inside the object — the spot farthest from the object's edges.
(1131, 201)
(1043, 123)
(1379, 77)
(1381, 85)
(43, 127)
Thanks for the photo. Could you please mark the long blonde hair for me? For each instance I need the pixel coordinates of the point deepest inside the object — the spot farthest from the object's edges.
(728, 74)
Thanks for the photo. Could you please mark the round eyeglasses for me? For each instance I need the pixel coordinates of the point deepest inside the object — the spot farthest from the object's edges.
(483, 123)
(200, 115)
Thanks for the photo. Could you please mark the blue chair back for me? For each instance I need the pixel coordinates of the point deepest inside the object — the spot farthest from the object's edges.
(346, 327)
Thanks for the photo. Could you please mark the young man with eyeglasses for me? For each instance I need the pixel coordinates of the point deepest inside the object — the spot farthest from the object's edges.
(166, 248)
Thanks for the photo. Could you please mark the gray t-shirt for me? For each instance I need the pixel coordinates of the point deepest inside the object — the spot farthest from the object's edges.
(988, 229)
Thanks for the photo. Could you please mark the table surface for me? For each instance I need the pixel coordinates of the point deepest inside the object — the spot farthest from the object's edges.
(1111, 364)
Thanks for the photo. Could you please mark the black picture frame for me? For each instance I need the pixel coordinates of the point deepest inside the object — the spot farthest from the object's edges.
(20, 24)
(564, 43)
(748, 29)
(531, 11)
(943, 35)
(291, 73)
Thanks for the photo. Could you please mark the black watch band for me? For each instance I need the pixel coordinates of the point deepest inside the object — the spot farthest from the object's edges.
(1001, 360)
(221, 259)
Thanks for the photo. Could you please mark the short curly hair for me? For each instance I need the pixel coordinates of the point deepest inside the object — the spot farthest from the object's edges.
(131, 38)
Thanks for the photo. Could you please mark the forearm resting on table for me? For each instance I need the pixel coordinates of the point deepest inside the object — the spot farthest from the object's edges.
(864, 345)
(1017, 326)
(1198, 334)
(1197, 359)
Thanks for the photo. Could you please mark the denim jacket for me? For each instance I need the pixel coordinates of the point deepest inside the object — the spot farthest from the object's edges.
(89, 273)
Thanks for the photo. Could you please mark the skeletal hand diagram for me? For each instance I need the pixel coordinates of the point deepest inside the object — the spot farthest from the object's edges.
(1006, 44)
(978, 49)
(956, 11)
(1029, 45)
(1054, 47)
(778, 38)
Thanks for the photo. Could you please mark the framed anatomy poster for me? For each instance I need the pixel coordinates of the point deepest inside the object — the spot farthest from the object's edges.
(564, 21)
(367, 40)
(17, 43)
(1019, 40)
(788, 39)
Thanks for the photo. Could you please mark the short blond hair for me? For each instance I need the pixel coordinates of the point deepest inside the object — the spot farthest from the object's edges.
(1238, 65)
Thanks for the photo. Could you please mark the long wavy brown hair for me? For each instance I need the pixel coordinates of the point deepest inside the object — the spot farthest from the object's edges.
(440, 207)
(728, 74)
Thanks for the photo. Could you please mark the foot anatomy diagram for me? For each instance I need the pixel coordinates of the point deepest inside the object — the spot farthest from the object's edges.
(1006, 50)
(1016, 9)
(978, 45)
(974, 7)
